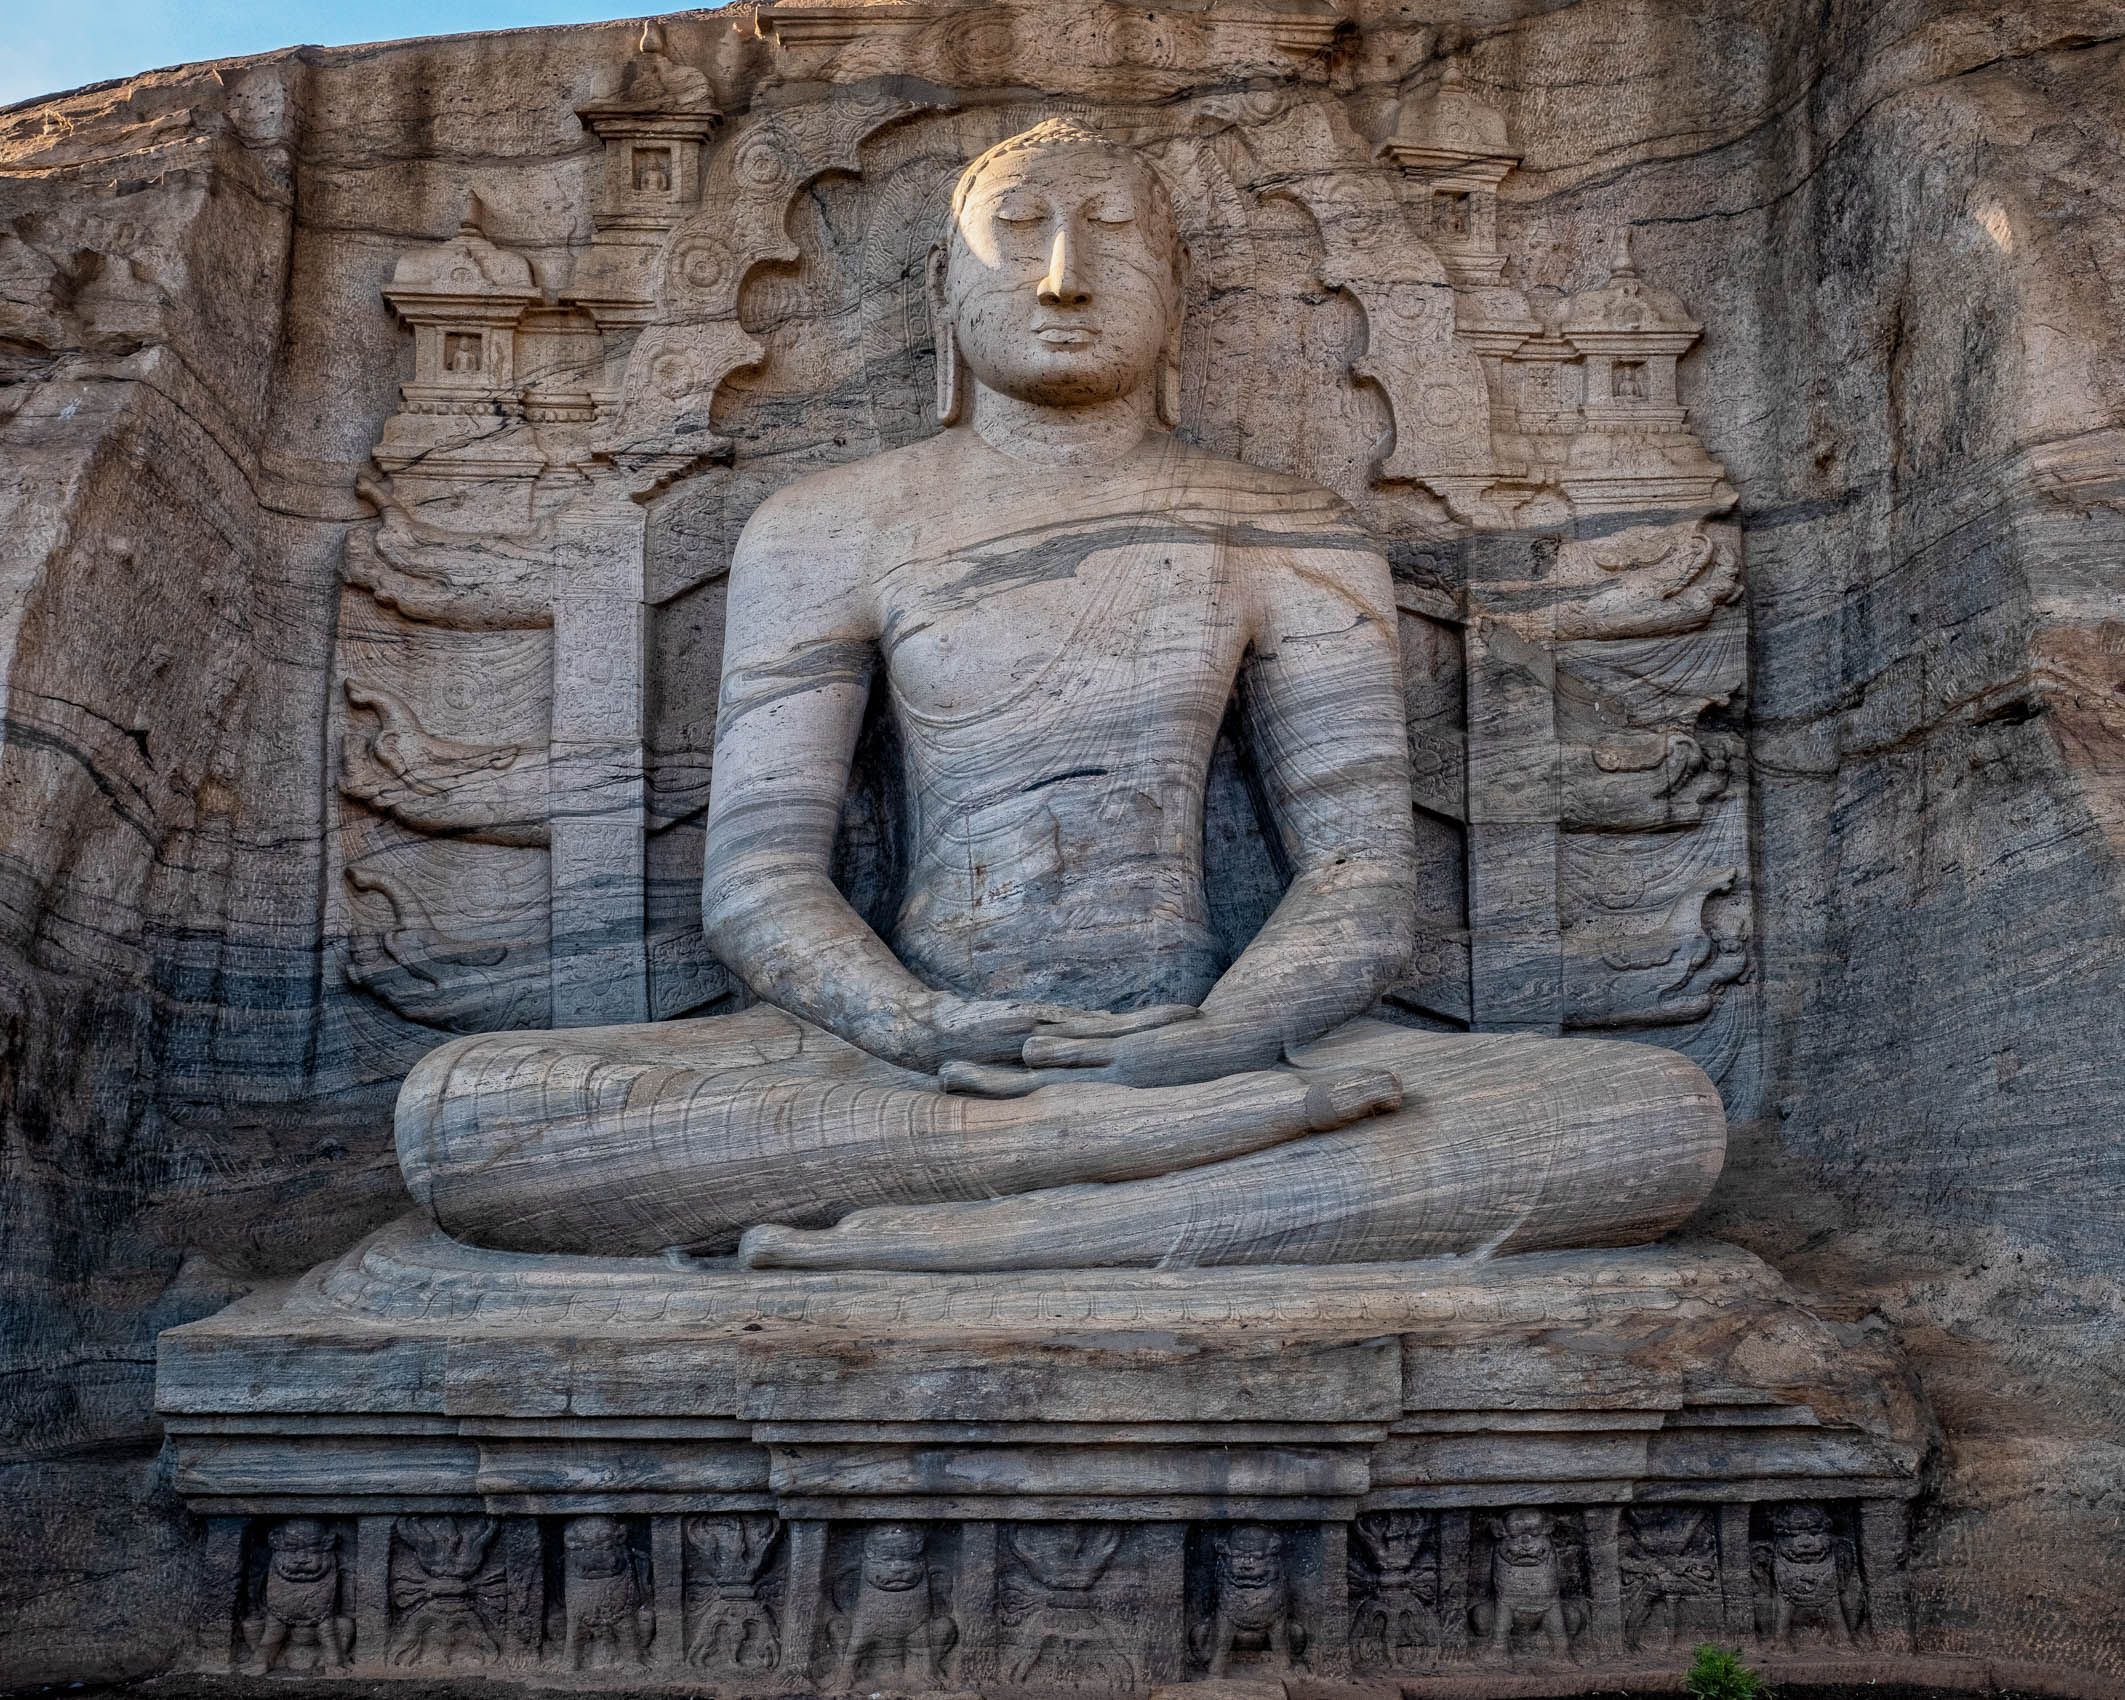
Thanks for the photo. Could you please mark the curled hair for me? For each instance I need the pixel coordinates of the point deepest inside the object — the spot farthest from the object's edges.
(1061, 135)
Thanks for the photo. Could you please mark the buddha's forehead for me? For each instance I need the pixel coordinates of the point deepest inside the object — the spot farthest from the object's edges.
(1066, 171)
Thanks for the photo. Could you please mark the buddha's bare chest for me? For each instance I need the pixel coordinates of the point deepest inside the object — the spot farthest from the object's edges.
(1052, 635)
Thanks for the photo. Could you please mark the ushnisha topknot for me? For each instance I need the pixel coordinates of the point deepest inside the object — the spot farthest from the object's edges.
(1061, 135)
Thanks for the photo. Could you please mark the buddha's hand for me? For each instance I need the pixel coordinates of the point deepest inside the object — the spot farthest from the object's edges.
(1180, 1053)
(947, 1030)
(1179, 1048)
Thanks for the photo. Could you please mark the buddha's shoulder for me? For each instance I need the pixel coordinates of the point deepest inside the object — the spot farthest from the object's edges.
(1250, 494)
(855, 493)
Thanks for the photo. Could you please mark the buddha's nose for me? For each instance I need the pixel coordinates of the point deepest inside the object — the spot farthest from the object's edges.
(1063, 286)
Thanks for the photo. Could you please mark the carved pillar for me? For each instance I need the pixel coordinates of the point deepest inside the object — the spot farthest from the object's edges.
(1604, 1578)
(595, 779)
(1883, 1541)
(1736, 1585)
(1328, 1603)
(974, 1605)
(803, 1587)
(217, 1594)
(524, 1574)
(1165, 1603)
(667, 1579)
(372, 1590)
(1453, 1582)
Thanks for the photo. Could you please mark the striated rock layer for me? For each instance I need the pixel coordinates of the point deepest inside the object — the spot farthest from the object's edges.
(1895, 224)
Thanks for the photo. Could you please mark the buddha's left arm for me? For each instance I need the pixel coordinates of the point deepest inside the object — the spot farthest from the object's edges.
(1321, 696)
(1321, 693)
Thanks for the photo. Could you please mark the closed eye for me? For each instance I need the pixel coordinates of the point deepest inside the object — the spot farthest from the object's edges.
(1018, 209)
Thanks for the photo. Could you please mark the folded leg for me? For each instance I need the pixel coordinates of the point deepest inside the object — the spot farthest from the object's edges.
(630, 1139)
(1502, 1143)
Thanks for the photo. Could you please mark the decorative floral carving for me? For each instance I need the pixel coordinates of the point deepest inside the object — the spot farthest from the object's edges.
(1394, 1578)
(449, 1591)
(1051, 1604)
(727, 1620)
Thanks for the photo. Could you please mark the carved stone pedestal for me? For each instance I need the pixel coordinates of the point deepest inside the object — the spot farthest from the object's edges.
(424, 1456)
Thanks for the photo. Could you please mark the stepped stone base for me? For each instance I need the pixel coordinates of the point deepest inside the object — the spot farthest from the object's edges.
(424, 1457)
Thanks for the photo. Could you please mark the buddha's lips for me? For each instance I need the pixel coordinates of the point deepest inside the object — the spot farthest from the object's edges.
(1066, 336)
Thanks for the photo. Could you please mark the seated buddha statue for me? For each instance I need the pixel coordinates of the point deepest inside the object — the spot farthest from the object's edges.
(1046, 1060)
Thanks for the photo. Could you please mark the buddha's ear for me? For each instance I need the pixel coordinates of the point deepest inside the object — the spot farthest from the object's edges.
(951, 397)
(1168, 394)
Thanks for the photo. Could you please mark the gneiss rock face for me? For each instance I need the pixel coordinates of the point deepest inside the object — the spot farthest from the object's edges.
(335, 726)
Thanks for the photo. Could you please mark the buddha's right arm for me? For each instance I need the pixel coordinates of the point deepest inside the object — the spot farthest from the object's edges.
(799, 649)
(800, 646)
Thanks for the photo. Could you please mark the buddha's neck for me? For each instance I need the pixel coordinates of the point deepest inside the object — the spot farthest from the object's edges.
(1092, 435)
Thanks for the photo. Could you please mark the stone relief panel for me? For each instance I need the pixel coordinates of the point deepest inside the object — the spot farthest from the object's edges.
(1809, 1586)
(606, 1614)
(1530, 1588)
(1253, 1599)
(1669, 1577)
(576, 453)
(297, 1611)
(1398, 1601)
(1072, 1607)
(733, 1589)
(450, 1591)
(892, 1620)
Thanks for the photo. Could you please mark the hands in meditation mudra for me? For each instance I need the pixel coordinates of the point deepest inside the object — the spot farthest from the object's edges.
(1049, 1063)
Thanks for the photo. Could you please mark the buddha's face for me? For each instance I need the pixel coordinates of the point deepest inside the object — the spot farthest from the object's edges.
(1062, 278)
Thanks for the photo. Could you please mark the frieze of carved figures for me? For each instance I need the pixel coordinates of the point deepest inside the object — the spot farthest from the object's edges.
(1534, 1607)
(1395, 1591)
(1810, 1591)
(1074, 1607)
(897, 1627)
(1254, 1614)
(302, 1621)
(606, 1615)
(1052, 1608)
(729, 1622)
(449, 1591)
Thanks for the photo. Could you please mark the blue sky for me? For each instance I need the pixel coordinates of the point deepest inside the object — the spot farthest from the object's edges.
(48, 45)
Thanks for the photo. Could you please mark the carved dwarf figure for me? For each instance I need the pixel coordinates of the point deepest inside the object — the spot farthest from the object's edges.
(728, 1621)
(895, 1623)
(605, 1614)
(301, 1597)
(1395, 1584)
(1668, 1562)
(1049, 1056)
(1811, 1578)
(1253, 1610)
(1051, 1604)
(450, 1595)
(1526, 1591)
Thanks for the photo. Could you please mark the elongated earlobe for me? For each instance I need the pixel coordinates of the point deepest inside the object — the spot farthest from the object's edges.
(1168, 394)
(951, 398)
(1169, 389)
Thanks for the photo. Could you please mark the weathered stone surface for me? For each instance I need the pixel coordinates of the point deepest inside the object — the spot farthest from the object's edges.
(1895, 225)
